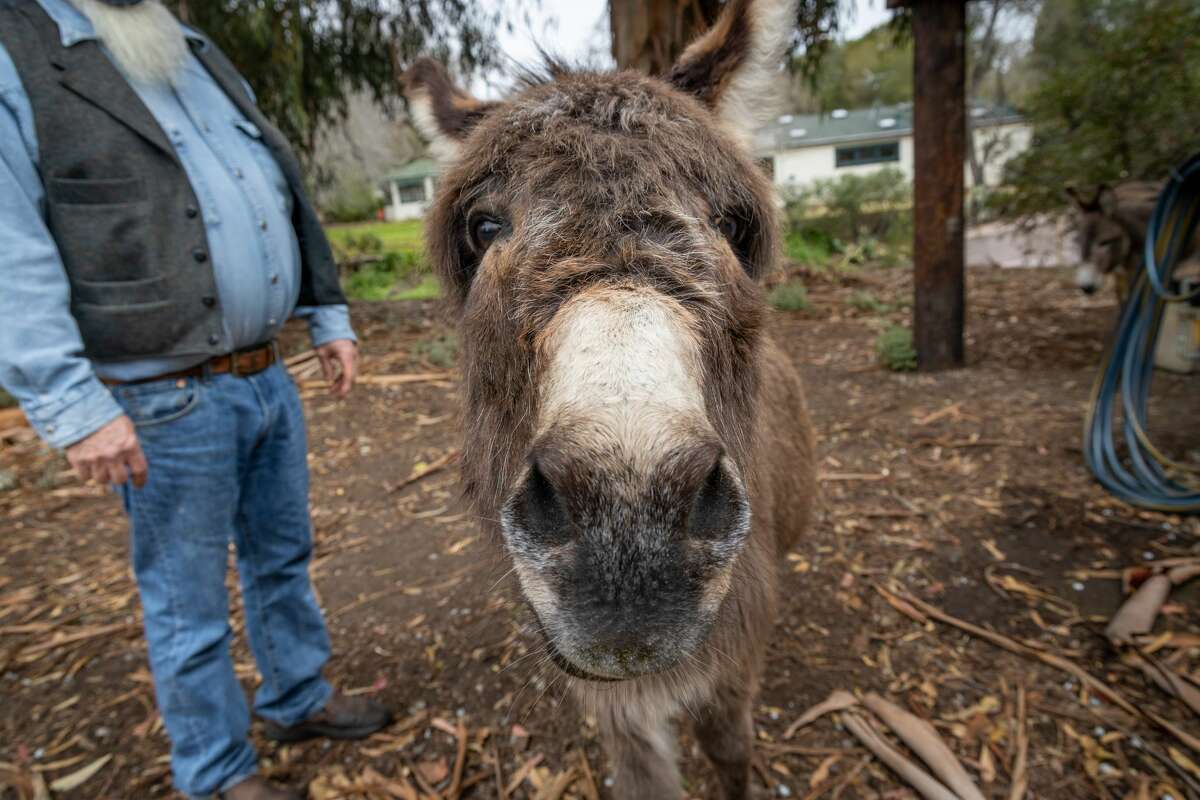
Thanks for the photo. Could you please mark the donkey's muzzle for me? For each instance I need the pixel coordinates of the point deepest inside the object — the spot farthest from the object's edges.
(626, 560)
(570, 494)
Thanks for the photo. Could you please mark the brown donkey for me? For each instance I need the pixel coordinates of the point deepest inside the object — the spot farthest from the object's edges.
(634, 438)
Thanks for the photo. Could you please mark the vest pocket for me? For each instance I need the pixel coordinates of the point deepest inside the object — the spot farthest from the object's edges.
(101, 228)
(121, 293)
(95, 191)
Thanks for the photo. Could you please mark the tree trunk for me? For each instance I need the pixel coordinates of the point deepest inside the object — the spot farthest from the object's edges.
(939, 142)
(649, 35)
(985, 58)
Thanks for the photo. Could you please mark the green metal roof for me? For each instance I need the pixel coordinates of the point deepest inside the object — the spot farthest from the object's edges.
(412, 173)
(793, 131)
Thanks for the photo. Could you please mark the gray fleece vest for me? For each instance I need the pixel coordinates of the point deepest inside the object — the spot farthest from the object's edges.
(119, 204)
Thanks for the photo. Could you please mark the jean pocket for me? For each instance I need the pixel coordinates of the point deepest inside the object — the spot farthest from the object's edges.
(156, 402)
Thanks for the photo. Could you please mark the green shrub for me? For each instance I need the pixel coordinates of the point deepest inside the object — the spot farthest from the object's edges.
(855, 207)
(6, 400)
(809, 247)
(895, 349)
(790, 296)
(441, 351)
(362, 244)
(353, 201)
(427, 289)
(378, 280)
(864, 300)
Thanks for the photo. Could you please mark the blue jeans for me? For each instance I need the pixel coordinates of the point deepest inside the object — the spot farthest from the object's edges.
(228, 463)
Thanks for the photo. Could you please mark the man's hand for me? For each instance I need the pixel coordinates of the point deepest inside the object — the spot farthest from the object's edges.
(110, 455)
(339, 364)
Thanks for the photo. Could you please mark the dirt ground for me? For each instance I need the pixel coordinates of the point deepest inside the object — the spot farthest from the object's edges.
(964, 489)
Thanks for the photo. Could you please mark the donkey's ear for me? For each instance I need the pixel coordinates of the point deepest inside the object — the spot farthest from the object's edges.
(734, 68)
(1083, 202)
(443, 113)
(1106, 200)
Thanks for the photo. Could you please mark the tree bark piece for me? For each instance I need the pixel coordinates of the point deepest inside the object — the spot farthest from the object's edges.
(923, 740)
(838, 700)
(1137, 614)
(925, 784)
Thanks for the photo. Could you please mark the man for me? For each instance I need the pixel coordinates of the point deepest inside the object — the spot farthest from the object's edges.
(154, 236)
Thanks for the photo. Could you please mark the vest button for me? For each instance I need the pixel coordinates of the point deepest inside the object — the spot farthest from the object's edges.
(213, 339)
(200, 255)
(192, 212)
(209, 301)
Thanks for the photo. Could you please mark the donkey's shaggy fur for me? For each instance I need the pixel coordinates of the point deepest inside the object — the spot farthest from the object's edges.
(632, 435)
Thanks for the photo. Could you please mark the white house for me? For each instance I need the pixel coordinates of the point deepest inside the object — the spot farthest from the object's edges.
(409, 189)
(800, 148)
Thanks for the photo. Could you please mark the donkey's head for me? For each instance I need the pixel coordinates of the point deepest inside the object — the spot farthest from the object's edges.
(601, 237)
(1104, 242)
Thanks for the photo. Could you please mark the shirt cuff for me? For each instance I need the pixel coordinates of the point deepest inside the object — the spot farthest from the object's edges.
(327, 323)
(78, 414)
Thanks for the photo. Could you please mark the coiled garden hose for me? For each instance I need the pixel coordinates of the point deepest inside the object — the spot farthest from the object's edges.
(1145, 476)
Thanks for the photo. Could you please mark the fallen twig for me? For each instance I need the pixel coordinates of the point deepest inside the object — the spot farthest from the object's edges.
(1168, 680)
(1020, 777)
(590, 790)
(437, 465)
(521, 774)
(460, 762)
(386, 380)
(554, 789)
(1058, 662)
(12, 418)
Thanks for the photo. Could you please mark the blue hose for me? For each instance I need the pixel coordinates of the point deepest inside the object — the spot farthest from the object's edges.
(1145, 477)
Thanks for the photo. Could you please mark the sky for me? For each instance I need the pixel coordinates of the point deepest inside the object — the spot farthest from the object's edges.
(578, 30)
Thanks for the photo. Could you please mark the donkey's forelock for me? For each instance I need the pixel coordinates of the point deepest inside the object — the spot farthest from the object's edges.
(734, 69)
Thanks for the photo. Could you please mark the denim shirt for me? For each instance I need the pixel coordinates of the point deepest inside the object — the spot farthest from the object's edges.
(246, 206)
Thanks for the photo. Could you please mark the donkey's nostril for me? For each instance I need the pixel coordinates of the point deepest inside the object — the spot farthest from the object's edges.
(719, 509)
(538, 509)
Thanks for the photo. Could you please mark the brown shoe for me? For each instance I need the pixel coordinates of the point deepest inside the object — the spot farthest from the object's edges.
(341, 718)
(259, 788)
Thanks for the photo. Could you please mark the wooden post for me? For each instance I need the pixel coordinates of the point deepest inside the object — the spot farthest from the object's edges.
(940, 149)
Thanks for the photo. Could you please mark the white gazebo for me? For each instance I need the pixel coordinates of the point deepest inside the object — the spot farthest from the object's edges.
(409, 189)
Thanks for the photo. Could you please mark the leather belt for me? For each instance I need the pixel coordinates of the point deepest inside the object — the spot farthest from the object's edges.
(241, 364)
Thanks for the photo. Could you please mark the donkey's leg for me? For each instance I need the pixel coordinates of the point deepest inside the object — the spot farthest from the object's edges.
(642, 748)
(725, 730)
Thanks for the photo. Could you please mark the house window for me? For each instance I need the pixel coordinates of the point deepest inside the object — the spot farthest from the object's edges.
(867, 154)
(412, 194)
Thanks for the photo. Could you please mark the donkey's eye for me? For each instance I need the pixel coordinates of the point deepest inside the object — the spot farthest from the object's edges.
(484, 231)
(728, 227)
